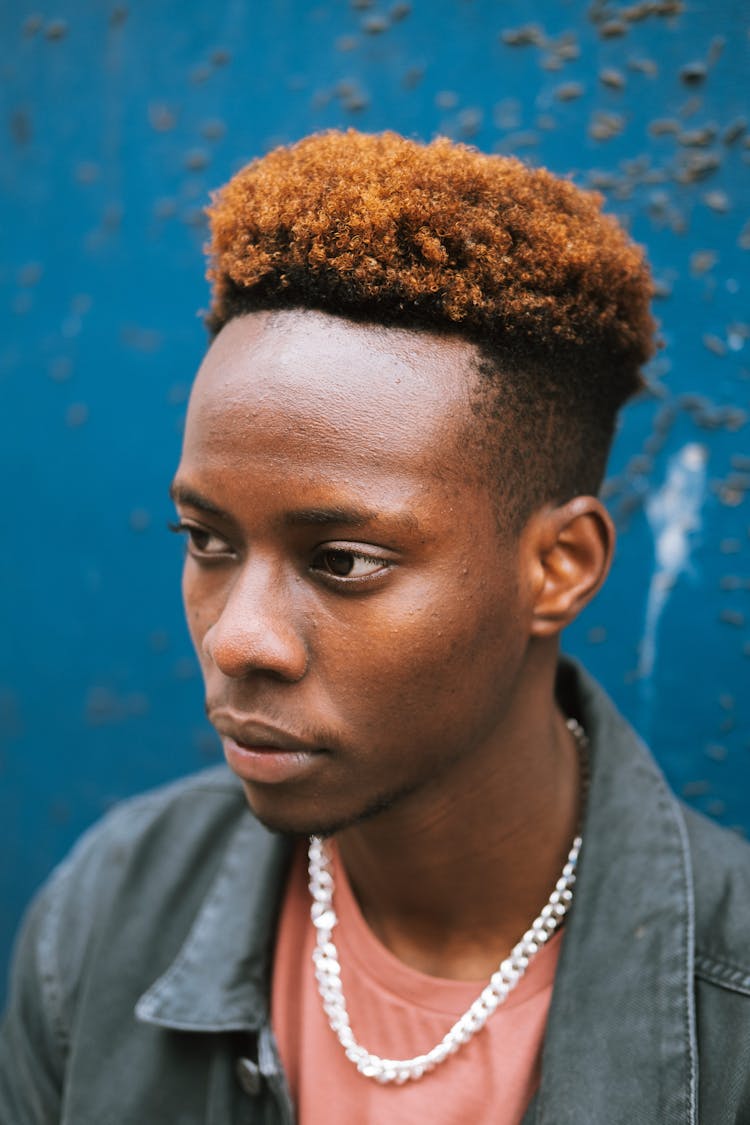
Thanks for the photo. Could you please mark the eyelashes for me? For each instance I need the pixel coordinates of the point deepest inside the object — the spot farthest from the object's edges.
(343, 564)
(339, 564)
(200, 539)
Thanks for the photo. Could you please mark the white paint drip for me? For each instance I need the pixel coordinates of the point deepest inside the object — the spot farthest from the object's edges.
(674, 515)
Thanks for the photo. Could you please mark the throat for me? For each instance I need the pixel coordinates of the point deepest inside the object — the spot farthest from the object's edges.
(492, 992)
(452, 903)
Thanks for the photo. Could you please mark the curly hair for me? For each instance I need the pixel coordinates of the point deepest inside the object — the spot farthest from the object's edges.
(442, 237)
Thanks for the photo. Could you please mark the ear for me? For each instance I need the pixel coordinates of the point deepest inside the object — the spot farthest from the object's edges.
(571, 552)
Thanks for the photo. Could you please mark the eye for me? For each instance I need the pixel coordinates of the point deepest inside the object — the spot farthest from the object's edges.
(202, 543)
(346, 565)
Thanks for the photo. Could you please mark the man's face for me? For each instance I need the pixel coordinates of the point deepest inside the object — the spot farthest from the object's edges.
(360, 619)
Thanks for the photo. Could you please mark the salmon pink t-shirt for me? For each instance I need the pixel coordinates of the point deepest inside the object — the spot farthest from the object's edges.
(397, 1012)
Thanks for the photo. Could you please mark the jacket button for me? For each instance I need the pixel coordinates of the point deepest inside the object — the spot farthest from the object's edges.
(249, 1076)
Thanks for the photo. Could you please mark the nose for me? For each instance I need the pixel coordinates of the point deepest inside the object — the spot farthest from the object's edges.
(255, 632)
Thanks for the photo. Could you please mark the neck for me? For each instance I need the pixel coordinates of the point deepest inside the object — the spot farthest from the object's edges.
(450, 879)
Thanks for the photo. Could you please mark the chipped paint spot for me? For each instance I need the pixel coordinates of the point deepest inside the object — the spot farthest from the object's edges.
(530, 34)
(569, 91)
(603, 126)
(693, 73)
(56, 29)
(76, 415)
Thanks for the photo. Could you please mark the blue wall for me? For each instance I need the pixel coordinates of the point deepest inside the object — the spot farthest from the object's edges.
(117, 119)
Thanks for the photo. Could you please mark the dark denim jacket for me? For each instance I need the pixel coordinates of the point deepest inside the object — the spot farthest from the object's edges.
(140, 987)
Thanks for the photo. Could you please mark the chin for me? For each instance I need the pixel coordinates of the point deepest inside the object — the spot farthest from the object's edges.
(303, 822)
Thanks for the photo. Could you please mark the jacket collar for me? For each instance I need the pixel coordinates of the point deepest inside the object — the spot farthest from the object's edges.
(620, 1041)
(219, 979)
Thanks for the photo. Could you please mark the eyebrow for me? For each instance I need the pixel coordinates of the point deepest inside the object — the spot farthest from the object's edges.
(302, 517)
(182, 494)
(323, 517)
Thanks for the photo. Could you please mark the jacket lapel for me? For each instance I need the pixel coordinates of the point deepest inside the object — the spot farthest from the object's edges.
(219, 981)
(620, 1045)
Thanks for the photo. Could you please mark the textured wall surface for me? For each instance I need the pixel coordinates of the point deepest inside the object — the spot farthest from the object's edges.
(117, 119)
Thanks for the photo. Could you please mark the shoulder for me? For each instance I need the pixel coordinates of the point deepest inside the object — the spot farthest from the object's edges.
(721, 878)
(182, 823)
(109, 921)
(162, 848)
(189, 809)
(146, 841)
(203, 792)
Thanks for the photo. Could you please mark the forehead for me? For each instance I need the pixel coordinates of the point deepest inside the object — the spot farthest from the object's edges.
(304, 383)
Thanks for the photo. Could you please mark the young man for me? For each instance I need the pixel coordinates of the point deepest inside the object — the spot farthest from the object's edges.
(388, 488)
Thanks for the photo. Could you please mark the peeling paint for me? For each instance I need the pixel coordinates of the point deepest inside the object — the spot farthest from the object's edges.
(674, 517)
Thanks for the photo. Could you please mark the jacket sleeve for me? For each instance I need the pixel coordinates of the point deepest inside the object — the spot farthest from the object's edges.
(48, 966)
(33, 1037)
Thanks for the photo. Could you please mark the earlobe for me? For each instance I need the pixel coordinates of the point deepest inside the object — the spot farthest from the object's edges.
(573, 545)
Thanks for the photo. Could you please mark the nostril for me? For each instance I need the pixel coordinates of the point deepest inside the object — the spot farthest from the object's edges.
(239, 649)
(257, 626)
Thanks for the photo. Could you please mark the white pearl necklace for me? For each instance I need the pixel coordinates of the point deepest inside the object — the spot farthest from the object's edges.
(501, 983)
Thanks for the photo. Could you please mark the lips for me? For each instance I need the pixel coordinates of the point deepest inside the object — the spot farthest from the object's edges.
(247, 730)
(261, 752)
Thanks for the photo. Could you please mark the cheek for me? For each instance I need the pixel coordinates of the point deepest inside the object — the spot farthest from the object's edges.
(422, 660)
(202, 605)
